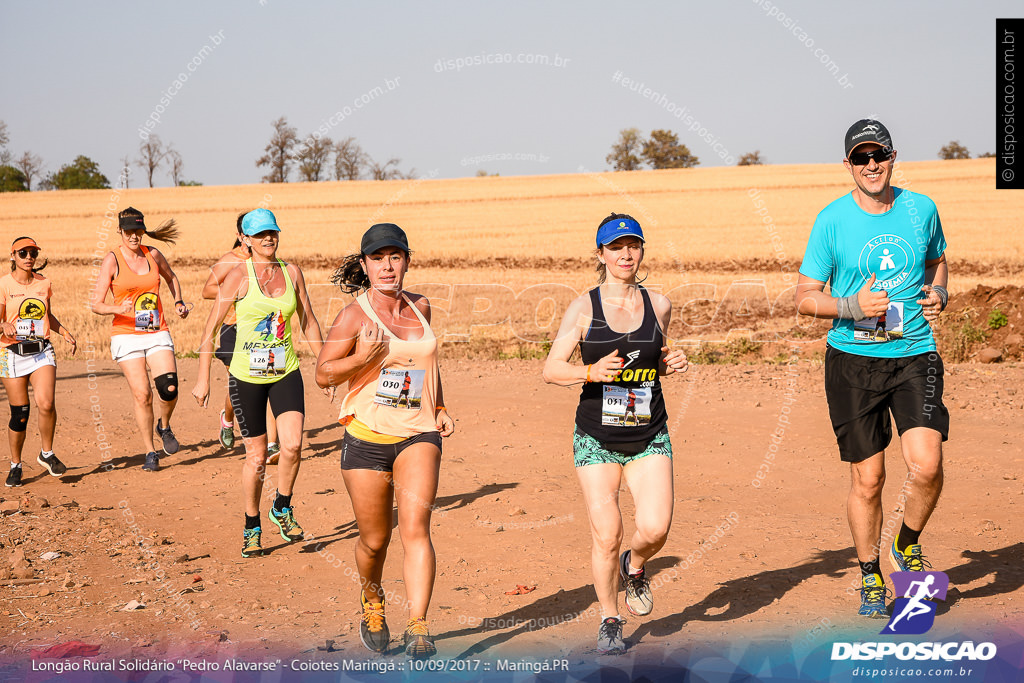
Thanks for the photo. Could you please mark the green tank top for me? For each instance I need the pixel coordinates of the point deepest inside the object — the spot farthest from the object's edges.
(263, 349)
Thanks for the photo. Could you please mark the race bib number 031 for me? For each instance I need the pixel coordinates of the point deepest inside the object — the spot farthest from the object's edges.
(400, 388)
(625, 407)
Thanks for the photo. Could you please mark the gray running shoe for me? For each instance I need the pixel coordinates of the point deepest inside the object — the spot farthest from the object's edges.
(639, 599)
(152, 463)
(609, 636)
(171, 444)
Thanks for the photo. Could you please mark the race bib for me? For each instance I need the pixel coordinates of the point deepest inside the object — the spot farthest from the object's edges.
(882, 328)
(623, 407)
(28, 330)
(269, 362)
(147, 321)
(400, 388)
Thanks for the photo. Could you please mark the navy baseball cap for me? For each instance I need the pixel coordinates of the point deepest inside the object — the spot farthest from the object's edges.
(383, 235)
(259, 220)
(615, 228)
(867, 130)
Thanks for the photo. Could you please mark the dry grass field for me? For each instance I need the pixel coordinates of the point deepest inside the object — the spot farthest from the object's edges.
(501, 256)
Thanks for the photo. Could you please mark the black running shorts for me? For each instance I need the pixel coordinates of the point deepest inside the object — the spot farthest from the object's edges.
(249, 401)
(357, 454)
(226, 344)
(862, 391)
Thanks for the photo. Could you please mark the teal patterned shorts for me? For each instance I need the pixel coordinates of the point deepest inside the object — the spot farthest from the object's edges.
(587, 450)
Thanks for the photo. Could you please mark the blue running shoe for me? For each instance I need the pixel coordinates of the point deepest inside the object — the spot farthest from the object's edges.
(285, 521)
(872, 597)
(910, 560)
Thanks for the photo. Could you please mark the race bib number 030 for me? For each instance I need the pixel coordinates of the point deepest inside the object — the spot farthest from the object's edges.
(625, 407)
(400, 388)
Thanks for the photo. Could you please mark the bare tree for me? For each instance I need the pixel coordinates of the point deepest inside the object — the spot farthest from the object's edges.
(312, 157)
(31, 165)
(177, 165)
(152, 153)
(386, 171)
(126, 170)
(278, 152)
(349, 160)
(5, 139)
(625, 153)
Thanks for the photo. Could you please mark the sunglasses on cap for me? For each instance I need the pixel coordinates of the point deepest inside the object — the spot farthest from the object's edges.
(864, 158)
(25, 253)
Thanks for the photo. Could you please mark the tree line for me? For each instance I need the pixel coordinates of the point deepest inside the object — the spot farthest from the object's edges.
(19, 175)
(311, 157)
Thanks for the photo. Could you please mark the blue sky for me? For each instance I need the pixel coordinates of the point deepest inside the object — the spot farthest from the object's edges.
(786, 78)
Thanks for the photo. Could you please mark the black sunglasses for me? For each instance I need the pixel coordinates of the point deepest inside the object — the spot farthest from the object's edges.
(24, 253)
(864, 158)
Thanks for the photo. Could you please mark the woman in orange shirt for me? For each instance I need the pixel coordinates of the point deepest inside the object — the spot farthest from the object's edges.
(391, 449)
(27, 356)
(140, 336)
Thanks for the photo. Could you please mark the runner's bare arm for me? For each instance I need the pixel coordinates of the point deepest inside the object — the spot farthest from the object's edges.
(8, 328)
(557, 368)
(219, 271)
(58, 328)
(230, 290)
(672, 360)
(97, 302)
(307, 319)
(811, 299)
(422, 304)
(172, 283)
(353, 342)
(442, 420)
(936, 274)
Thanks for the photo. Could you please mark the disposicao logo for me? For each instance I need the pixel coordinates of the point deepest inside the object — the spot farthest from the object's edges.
(913, 614)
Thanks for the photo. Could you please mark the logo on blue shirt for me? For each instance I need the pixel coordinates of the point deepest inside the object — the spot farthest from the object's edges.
(890, 258)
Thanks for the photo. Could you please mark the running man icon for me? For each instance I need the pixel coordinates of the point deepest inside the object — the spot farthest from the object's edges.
(914, 611)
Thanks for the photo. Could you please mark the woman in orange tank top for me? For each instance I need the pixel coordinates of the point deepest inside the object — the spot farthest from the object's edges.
(140, 338)
(392, 444)
(219, 271)
(26, 356)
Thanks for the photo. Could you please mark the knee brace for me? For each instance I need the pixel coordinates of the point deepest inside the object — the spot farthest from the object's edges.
(19, 418)
(167, 386)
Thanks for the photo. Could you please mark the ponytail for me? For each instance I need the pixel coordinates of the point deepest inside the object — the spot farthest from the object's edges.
(350, 276)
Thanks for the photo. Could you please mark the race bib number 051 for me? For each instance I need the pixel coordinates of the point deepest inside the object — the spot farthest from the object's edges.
(400, 388)
(625, 407)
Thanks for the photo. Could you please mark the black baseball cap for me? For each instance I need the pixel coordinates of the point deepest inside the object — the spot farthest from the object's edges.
(133, 221)
(867, 130)
(383, 235)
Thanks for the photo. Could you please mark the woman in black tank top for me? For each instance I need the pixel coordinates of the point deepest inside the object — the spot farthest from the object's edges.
(621, 423)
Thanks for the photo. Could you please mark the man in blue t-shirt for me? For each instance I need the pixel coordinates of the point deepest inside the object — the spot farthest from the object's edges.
(881, 251)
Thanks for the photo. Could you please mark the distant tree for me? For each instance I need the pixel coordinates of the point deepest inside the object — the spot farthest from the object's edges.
(5, 139)
(664, 151)
(386, 171)
(312, 157)
(126, 170)
(986, 155)
(954, 150)
(177, 165)
(12, 180)
(151, 154)
(625, 153)
(81, 174)
(349, 160)
(484, 174)
(751, 159)
(31, 167)
(278, 152)
(190, 183)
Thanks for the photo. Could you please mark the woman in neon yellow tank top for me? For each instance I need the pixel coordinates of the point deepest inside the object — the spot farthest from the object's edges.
(382, 345)
(264, 369)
